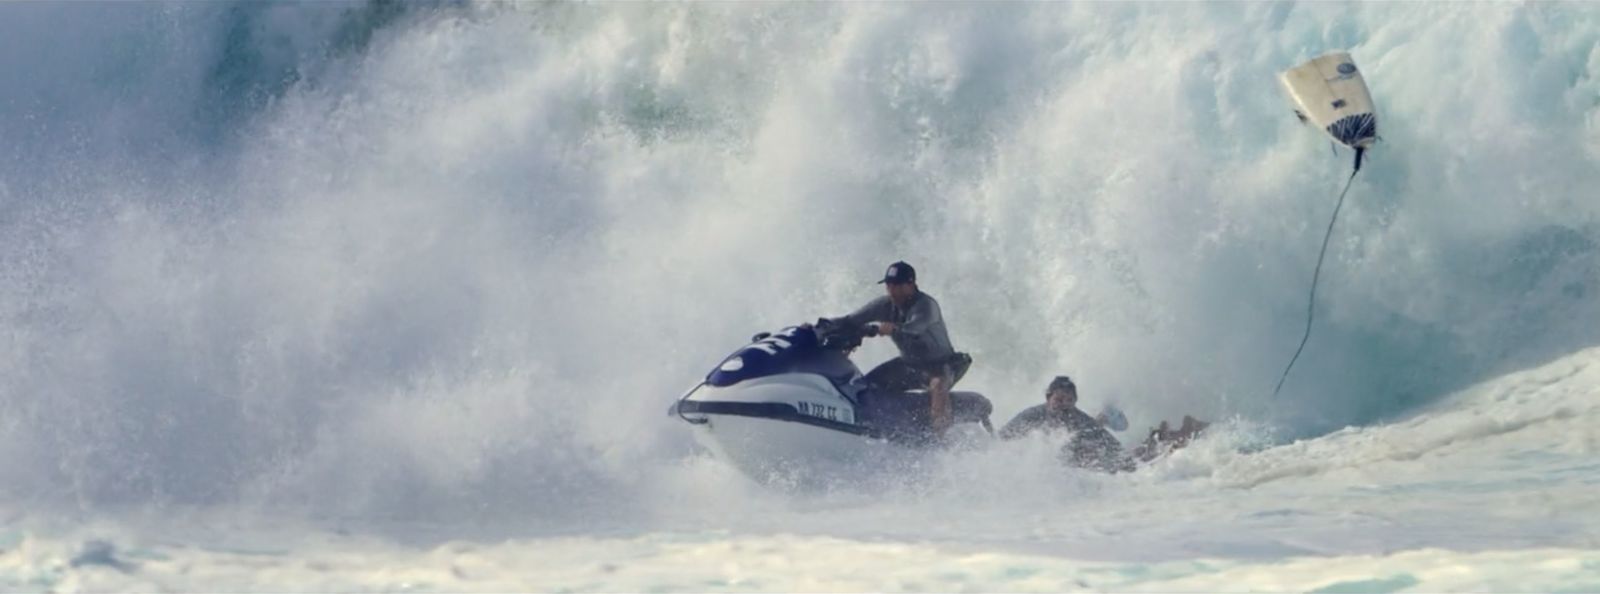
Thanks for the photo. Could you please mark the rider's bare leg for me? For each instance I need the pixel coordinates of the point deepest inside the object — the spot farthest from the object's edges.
(939, 396)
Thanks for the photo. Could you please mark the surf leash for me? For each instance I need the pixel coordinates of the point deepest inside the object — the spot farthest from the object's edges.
(1311, 305)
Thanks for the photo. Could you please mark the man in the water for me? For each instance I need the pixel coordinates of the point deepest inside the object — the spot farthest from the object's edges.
(1059, 412)
(1092, 445)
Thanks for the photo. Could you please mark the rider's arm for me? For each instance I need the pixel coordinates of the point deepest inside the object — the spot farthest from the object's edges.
(876, 310)
(922, 314)
(1025, 421)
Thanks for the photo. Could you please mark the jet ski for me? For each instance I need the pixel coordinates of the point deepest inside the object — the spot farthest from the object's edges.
(790, 407)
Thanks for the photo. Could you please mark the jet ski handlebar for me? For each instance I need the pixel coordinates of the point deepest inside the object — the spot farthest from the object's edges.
(833, 334)
(839, 335)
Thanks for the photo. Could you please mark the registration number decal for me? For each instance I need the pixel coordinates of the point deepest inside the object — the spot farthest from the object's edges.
(824, 411)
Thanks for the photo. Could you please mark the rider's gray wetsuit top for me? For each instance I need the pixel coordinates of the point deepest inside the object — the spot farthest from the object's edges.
(919, 327)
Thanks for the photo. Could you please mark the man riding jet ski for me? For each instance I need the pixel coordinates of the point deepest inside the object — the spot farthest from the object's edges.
(914, 321)
(791, 405)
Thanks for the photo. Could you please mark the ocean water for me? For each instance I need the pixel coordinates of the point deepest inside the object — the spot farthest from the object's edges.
(384, 296)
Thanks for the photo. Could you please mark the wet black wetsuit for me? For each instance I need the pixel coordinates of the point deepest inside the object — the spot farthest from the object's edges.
(1091, 446)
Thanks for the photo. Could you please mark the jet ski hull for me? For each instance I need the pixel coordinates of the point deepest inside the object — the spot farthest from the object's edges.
(785, 452)
(789, 428)
(798, 429)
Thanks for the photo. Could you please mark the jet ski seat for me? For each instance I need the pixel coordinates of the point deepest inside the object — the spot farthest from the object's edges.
(905, 416)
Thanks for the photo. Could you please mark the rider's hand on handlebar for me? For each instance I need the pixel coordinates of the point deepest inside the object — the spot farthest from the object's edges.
(883, 328)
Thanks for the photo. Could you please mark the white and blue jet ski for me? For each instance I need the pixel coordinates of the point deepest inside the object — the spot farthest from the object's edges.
(791, 407)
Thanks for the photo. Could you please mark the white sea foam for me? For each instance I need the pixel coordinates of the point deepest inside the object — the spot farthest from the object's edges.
(433, 273)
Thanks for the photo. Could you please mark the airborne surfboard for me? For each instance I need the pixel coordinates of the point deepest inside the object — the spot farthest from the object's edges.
(1328, 91)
